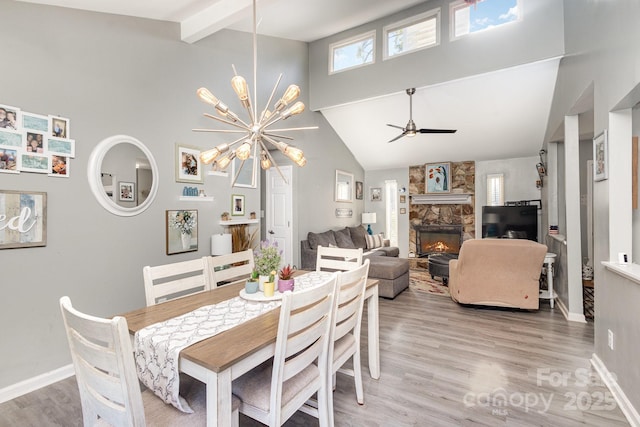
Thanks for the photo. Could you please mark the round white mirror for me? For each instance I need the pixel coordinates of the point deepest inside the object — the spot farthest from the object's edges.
(123, 175)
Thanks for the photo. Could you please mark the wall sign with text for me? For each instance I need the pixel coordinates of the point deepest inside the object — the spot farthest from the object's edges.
(23, 219)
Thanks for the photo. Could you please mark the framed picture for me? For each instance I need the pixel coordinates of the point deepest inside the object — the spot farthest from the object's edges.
(403, 211)
(237, 205)
(188, 165)
(10, 117)
(359, 190)
(600, 157)
(59, 127)
(61, 146)
(9, 160)
(35, 142)
(38, 163)
(60, 166)
(403, 198)
(28, 211)
(376, 194)
(126, 191)
(244, 172)
(438, 178)
(11, 138)
(35, 122)
(182, 231)
(344, 213)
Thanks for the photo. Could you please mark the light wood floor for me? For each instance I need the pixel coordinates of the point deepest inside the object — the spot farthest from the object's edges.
(442, 365)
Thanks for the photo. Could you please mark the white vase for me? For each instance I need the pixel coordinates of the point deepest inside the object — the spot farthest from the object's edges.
(186, 240)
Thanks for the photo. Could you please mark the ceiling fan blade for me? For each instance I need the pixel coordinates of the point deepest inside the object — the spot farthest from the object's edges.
(437, 130)
(397, 137)
(395, 126)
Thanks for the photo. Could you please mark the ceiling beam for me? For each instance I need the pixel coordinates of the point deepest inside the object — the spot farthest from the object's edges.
(213, 19)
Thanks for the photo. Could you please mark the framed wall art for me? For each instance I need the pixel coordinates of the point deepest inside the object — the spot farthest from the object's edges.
(9, 160)
(359, 190)
(10, 117)
(182, 231)
(59, 127)
(33, 162)
(23, 219)
(244, 172)
(376, 194)
(60, 166)
(600, 157)
(237, 205)
(403, 198)
(126, 191)
(188, 165)
(438, 178)
(35, 122)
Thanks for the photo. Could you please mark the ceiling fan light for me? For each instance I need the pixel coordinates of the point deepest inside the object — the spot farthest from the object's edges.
(410, 133)
(294, 153)
(244, 151)
(239, 85)
(296, 108)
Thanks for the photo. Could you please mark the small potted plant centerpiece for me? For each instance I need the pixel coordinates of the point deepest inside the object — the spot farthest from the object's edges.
(285, 280)
(251, 287)
(269, 285)
(267, 259)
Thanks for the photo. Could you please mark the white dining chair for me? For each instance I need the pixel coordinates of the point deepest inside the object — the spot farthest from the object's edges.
(230, 268)
(107, 381)
(338, 259)
(168, 281)
(275, 390)
(345, 328)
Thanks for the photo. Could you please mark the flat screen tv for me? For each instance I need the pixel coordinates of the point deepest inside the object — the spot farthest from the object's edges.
(520, 222)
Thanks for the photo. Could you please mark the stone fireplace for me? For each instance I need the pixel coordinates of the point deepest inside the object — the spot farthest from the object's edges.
(437, 238)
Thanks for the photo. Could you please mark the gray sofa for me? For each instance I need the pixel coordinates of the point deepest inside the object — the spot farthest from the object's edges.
(392, 272)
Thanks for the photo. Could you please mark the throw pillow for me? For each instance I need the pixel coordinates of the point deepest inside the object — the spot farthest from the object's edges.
(343, 238)
(321, 239)
(358, 236)
(375, 241)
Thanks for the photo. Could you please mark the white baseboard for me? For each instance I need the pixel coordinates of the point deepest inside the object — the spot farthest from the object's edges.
(35, 383)
(572, 317)
(621, 398)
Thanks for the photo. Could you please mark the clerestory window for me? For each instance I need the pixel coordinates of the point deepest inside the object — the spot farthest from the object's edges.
(412, 34)
(352, 53)
(470, 17)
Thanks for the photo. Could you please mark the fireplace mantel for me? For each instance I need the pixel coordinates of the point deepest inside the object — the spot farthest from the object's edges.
(441, 199)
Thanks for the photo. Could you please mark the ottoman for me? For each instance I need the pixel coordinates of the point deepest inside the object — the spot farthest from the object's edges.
(392, 274)
(439, 265)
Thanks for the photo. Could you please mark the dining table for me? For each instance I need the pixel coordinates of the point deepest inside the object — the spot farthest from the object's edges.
(219, 359)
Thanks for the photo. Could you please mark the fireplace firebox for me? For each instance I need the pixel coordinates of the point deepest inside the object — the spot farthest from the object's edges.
(434, 238)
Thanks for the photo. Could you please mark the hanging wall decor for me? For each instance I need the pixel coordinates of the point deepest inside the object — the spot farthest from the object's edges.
(23, 219)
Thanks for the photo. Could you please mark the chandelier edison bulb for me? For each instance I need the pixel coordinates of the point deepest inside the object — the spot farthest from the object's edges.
(256, 132)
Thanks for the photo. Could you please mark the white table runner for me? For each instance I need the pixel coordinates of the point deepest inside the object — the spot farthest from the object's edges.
(157, 347)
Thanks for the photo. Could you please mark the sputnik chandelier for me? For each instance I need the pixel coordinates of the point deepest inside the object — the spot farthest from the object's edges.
(255, 133)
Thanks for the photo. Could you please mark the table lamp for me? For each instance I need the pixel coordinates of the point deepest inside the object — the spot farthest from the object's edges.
(369, 218)
(220, 244)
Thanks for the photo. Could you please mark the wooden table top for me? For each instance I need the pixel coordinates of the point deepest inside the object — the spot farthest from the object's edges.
(222, 350)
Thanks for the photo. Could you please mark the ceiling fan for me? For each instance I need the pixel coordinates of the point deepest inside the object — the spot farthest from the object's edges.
(410, 129)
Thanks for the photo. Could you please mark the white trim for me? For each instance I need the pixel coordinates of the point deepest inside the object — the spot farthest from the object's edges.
(441, 199)
(609, 380)
(628, 271)
(413, 20)
(572, 317)
(35, 383)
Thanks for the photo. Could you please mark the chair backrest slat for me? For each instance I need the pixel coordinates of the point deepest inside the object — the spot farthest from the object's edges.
(169, 281)
(338, 259)
(230, 267)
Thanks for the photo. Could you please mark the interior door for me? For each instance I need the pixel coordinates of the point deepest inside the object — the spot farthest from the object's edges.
(279, 212)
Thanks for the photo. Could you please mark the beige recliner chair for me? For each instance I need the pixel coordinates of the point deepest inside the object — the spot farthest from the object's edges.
(497, 272)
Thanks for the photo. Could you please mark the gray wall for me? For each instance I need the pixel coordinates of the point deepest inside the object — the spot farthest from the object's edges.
(117, 75)
(503, 47)
(599, 52)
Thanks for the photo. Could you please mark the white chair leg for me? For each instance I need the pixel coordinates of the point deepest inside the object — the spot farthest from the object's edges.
(235, 418)
(325, 405)
(357, 374)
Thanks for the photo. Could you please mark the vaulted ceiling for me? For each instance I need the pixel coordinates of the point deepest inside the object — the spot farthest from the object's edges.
(497, 115)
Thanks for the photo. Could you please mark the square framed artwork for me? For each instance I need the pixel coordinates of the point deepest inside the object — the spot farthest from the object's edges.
(126, 191)
(359, 190)
(600, 157)
(10, 160)
(35, 142)
(61, 146)
(60, 127)
(34, 121)
(188, 164)
(403, 198)
(237, 205)
(376, 194)
(60, 166)
(31, 206)
(438, 178)
(10, 117)
(181, 231)
(403, 211)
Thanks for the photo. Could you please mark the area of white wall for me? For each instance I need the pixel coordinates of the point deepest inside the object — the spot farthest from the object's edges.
(520, 175)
